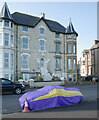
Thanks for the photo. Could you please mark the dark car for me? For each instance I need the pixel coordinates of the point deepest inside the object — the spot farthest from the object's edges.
(89, 78)
(9, 86)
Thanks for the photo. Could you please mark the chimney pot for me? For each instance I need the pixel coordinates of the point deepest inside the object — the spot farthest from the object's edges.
(42, 15)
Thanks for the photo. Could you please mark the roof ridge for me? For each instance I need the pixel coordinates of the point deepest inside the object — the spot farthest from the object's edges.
(37, 17)
(25, 14)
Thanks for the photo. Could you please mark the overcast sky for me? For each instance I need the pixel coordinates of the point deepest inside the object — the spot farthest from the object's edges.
(83, 16)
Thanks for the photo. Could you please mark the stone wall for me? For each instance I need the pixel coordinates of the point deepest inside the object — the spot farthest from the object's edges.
(42, 84)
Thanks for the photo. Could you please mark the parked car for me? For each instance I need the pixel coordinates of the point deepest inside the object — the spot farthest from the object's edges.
(50, 97)
(96, 78)
(9, 86)
(89, 78)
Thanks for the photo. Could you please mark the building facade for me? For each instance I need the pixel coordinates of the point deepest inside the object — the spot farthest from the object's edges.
(89, 61)
(94, 51)
(84, 63)
(35, 44)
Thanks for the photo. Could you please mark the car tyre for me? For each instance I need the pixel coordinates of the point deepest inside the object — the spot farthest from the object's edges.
(18, 91)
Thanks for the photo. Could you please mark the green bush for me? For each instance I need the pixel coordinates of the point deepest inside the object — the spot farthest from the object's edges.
(20, 78)
(40, 78)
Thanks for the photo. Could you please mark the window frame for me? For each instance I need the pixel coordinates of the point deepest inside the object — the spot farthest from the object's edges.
(69, 48)
(57, 35)
(74, 36)
(6, 23)
(74, 63)
(6, 60)
(58, 48)
(69, 63)
(6, 40)
(42, 31)
(12, 60)
(26, 62)
(26, 43)
(74, 48)
(42, 45)
(25, 28)
(69, 36)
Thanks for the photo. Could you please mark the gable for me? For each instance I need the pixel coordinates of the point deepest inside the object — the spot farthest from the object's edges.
(32, 21)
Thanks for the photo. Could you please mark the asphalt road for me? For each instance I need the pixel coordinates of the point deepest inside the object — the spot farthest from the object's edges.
(87, 108)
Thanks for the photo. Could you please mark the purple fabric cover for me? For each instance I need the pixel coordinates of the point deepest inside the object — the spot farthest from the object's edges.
(50, 102)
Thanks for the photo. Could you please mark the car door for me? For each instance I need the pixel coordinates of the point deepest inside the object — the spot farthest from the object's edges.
(7, 86)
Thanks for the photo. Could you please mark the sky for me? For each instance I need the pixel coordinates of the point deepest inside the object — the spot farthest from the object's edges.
(83, 16)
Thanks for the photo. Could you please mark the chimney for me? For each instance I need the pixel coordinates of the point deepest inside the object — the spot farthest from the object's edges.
(96, 41)
(42, 15)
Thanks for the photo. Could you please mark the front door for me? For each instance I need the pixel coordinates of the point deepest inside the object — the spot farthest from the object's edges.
(42, 63)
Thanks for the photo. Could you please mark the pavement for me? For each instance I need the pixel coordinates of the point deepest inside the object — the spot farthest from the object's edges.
(86, 109)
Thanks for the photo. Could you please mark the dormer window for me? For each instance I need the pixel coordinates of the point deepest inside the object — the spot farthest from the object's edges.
(42, 31)
(69, 36)
(6, 23)
(24, 28)
(74, 36)
(57, 35)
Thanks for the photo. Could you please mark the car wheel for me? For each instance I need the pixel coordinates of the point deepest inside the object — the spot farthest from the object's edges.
(18, 90)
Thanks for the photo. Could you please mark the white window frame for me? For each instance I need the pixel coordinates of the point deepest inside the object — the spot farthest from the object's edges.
(6, 61)
(69, 46)
(42, 46)
(12, 60)
(26, 37)
(74, 48)
(25, 54)
(69, 63)
(74, 63)
(6, 39)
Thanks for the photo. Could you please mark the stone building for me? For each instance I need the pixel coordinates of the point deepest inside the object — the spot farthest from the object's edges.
(35, 44)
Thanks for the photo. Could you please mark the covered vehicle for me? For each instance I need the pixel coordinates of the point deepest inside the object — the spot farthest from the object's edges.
(51, 96)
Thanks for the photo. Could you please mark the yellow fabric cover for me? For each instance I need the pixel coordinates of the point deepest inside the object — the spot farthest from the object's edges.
(59, 92)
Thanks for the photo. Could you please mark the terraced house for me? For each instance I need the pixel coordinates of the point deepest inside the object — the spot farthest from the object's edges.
(35, 44)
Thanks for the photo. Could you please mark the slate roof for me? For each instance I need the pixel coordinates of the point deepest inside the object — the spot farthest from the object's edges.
(32, 21)
(70, 29)
(5, 13)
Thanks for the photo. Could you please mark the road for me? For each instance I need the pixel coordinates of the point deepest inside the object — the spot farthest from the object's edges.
(87, 108)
